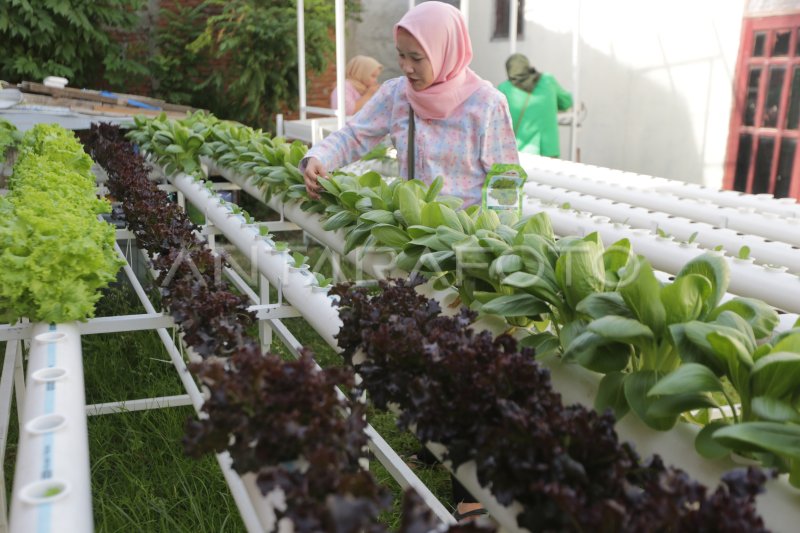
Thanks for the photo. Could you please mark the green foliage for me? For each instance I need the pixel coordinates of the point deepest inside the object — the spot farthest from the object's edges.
(175, 69)
(67, 38)
(54, 252)
(258, 42)
(9, 136)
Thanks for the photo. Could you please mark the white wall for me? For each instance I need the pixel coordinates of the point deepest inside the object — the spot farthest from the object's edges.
(373, 35)
(655, 75)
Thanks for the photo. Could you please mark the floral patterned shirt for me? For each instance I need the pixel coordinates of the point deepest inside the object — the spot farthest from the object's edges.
(351, 96)
(461, 148)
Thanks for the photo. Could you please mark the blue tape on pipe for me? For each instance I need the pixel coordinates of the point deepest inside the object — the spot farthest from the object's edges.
(131, 101)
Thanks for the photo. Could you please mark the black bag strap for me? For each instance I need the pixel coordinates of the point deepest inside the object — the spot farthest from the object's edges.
(410, 171)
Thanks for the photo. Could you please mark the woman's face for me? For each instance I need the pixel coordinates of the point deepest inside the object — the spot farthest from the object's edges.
(373, 78)
(413, 61)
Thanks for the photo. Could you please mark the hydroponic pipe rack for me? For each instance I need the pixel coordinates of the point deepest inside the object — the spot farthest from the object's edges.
(316, 308)
(771, 284)
(51, 479)
(760, 203)
(577, 384)
(316, 314)
(763, 251)
(744, 220)
(295, 284)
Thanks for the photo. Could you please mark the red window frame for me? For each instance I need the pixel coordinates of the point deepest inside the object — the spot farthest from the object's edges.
(770, 26)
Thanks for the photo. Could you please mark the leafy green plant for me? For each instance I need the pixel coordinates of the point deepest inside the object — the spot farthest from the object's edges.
(299, 260)
(176, 145)
(380, 152)
(628, 337)
(321, 280)
(281, 246)
(175, 70)
(55, 254)
(491, 404)
(9, 136)
(762, 418)
(744, 252)
(70, 39)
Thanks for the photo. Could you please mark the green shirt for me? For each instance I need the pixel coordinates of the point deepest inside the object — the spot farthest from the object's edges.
(538, 131)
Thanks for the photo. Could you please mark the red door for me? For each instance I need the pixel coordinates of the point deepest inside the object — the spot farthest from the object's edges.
(762, 144)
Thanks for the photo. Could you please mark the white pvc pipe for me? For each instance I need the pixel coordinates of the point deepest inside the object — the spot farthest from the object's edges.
(301, 57)
(765, 203)
(763, 251)
(774, 286)
(784, 207)
(340, 64)
(52, 477)
(765, 225)
(296, 285)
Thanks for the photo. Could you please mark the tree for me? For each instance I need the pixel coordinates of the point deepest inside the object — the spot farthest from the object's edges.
(69, 38)
(257, 41)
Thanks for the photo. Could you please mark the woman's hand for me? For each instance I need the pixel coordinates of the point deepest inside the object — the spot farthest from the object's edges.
(314, 170)
(372, 89)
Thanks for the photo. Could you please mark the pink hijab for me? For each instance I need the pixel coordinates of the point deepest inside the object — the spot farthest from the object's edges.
(442, 33)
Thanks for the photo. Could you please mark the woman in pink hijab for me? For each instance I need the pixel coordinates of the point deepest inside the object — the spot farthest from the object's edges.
(362, 82)
(443, 118)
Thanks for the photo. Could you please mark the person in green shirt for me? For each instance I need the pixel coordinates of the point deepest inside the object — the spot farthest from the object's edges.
(534, 100)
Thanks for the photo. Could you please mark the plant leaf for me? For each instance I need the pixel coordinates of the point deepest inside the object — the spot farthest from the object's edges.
(611, 395)
(781, 439)
(774, 410)
(714, 268)
(776, 375)
(706, 445)
(637, 385)
(687, 378)
(516, 305)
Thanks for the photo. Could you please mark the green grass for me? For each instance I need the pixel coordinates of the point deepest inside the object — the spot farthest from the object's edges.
(141, 480)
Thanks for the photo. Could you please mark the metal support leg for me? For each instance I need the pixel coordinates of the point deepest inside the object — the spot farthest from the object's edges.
(6, 389)
(264, 331)
(19, 381)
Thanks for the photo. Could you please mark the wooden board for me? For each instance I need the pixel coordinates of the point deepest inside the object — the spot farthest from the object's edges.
(100, 109)
(67, 92)
(72, 95)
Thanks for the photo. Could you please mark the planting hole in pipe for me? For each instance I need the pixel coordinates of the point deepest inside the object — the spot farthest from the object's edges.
(49, 374)
(44, 491)
(46, 423)
(50, 337)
